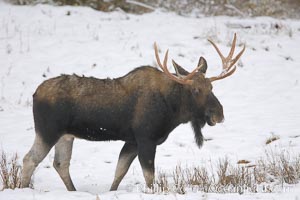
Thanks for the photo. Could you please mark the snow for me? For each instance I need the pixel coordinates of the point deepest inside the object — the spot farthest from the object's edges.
(260, 100)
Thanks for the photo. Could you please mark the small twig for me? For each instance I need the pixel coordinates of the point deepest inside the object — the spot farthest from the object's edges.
(140, 4)
(229, 6)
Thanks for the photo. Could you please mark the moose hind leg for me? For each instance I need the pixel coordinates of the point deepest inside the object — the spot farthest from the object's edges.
(37, 153)
(63, 153)
(127, 155)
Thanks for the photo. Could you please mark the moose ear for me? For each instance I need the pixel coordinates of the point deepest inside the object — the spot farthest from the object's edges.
(179, 70)
(202, 62)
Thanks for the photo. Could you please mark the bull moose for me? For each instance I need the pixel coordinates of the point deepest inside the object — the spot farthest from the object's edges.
(140, 108)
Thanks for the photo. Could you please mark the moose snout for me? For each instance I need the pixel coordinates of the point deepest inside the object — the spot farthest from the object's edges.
(213, 117)
(218, 118)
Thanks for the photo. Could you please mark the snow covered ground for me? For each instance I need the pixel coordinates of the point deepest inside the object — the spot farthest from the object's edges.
(260, 100)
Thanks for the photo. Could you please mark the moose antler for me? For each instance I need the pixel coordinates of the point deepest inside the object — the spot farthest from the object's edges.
(227, 62)
(182, 80)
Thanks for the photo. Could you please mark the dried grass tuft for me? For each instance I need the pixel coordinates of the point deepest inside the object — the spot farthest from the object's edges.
(274, 169)
(10, 171)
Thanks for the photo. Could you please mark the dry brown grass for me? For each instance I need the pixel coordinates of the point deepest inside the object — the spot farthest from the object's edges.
(243, 162)
(179, 180)
(162, 183)
(272, 139)
(274, 169)
(10, 171)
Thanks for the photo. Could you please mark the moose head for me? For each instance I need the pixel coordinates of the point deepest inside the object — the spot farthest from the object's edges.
(200, 86)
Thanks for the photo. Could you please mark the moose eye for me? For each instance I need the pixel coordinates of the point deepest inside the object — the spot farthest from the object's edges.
(197, 91)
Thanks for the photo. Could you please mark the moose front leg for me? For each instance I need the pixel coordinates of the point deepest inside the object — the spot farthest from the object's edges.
(146, 155)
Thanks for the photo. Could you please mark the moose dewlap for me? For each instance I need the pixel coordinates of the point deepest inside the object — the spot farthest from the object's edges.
(140, 108)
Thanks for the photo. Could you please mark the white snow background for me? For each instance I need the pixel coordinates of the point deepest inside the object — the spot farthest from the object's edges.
(260, 100)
